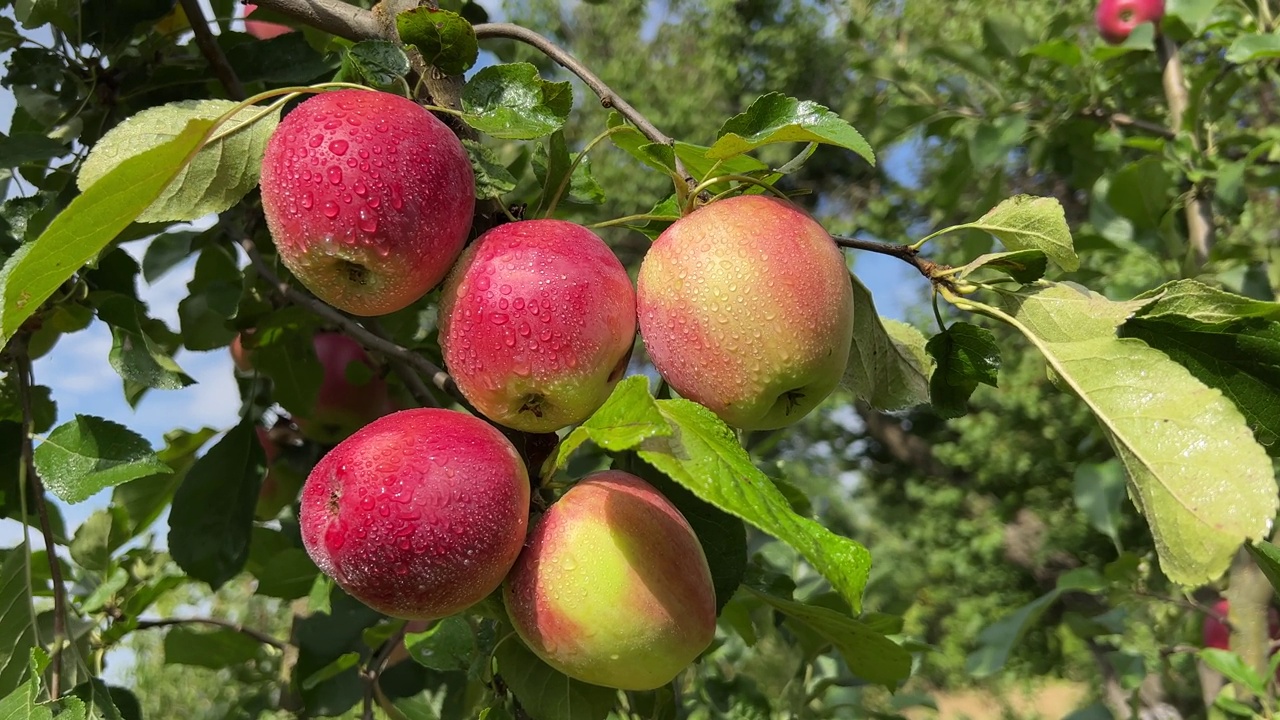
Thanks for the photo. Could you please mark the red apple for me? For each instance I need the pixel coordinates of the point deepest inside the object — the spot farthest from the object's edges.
(262, 30)
(369, 198)
(1117, 19)
(420, 514)
(343, 406)
(1218, 635)
(613, 587)
(746, 306)
(537, 322)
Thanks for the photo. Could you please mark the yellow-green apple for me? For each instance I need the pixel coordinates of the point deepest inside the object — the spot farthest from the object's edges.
(613, 587)
(369, 198)
(537, 322)
(746, 307)
(419, 514)
(349, 397)
(261, 29)
(1117, 19)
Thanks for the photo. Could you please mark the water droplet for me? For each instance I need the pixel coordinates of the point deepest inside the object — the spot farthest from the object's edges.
(498, 318)
(505, 289)
(338, 147)
(374, 202)
(482, 283)
(509, 340)
(330, 209)
(335, 174)
(368, 221)
(315, 140)
(332, 125)
(307, 200)
(360, 188)
(525, 329)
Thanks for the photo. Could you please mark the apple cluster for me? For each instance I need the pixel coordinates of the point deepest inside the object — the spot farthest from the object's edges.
(744, 306)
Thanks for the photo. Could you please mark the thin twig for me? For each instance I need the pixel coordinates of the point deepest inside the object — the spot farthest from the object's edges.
(1199, 214)
(258, 635)
(208, 45)
(1125, 120)
(25, 380)
(355, 330)
(376, 666)
(412, 381)
(905, 253)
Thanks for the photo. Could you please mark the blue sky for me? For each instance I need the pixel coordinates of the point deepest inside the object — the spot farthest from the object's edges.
(82, 381)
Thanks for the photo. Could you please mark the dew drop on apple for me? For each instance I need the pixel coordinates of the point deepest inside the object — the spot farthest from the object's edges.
(498, 318)
(335, 174)
(368, 221)
(338, 147)
(330, 209)
(360, 189)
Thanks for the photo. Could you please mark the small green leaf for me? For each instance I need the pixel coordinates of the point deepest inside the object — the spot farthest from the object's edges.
(447, 645)
(87, 224)
(1254, 47)
(1194, 305)
(141, 348)
(887, 366)
(1234, 668)
(144, 499)
(966, 355)
(1099, 493)
(98, 537)
(659, 157)
(1025, 266)
(213, 297)
(288, 575)
(493, 180)
(318, 597)
(341, 664)
(546, 694)
(29, 147)
(1059, 50)
(1267, 556)
(1140, 191)
(220, 174)
(164, 252)
(89, 454)
(625, 420)
(444, 38)
(512, 102)
(378, 63)
(212, 514)
(285, 352)
(1193, 13)
(21, 701)
(1024, 222)
(777, 118)
(869, 654)
(208, 648)
(18, 631)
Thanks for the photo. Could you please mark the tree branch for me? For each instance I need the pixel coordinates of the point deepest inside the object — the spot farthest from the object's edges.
(332, 16)
(25, 380)
(412, 381)
(438, 377)
(376, 665)
(208, 45)
(258, 635)
(1125, 120)
(1199, 214)
(905, 253)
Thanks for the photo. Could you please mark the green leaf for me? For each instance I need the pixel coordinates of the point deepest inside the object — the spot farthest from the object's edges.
(87, 224)
(1193, 13)
(285, 352)
(212, 514)
(105, 702)
(1254, 47)
(1025, 266)
(512, 102)
(288, 575)
(223, 172)
(1140, 192)
(630, 140)
(550, 167)
(493, 180)
(1195, 472)
(966, 355)
(144, 499)
(140, 351)
(1059, 50)
(89, 454)
(1099, 492)
(378, 63)
(164, 252)
(447, 645)
(444, 38)
(994, 139)
(98, 537)
(776, 118)
(1192, 304)
(213, 297)
(997, 641)
(208, 648)
(1267, 556)
(43, 410)
(869, 654)
(692, 446)
(887, 366)
(20, 701)
(703, 454)
(17, 626)
(29, 147)
(1024, 222)
(1234, 668)
(340, 664)
(546, 694)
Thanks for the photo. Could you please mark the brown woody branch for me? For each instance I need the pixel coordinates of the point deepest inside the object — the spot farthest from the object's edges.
(258, 635)
(376, 665)
(905, 253)
(22, 361)
(395, 352)
(208, 45)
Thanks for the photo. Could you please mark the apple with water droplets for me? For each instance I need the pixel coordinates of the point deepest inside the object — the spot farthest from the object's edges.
(746, 307)
(537, 322)
(369, 198)
(419, 514)
(613, 587)
(1117, 19)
